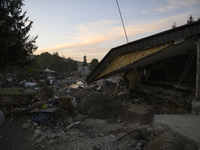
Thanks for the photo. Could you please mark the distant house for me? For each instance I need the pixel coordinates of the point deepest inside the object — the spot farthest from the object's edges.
(83, 69)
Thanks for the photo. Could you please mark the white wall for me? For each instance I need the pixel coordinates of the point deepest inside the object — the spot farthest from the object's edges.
(83, 69)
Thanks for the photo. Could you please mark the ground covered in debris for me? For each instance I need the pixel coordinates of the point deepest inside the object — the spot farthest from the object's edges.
(100, 116)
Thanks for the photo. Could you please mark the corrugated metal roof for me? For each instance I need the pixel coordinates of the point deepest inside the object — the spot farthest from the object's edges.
(185, 31)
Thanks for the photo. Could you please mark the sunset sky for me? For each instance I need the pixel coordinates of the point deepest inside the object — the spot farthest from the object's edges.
(75, 28)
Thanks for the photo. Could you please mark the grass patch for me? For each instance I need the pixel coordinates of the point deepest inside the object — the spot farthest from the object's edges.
(10, 91)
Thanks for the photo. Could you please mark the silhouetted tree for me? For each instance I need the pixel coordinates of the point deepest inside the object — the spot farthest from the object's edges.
(190, 20)
(93, 64)
(56, 63)
(174, 25)
(84, 61)
(15, 43)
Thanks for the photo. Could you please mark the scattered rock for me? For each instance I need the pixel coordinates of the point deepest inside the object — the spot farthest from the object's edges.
(35, 124)
(101, 134)
(80, 135)
(26, 126)
(37, 132)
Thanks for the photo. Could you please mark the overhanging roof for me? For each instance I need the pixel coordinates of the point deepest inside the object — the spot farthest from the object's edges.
(174, 50)
(183, 32)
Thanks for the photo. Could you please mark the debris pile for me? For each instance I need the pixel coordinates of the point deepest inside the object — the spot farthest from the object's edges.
(65, 113)
(162, 137)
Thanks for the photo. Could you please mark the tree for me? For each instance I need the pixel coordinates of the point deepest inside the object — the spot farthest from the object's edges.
(72, 65)
(190, 20)
(84, 61)
(93, 64)
(15, 43)
(43, 61)
(174, 25)
(56, 63)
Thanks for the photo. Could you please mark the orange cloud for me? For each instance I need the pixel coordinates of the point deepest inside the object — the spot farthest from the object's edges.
(99, 37)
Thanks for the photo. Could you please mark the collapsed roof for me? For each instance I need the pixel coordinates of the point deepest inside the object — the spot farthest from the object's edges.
(147, 51)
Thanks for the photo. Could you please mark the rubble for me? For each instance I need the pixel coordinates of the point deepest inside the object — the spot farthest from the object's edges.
(101, 115)
(163, 138)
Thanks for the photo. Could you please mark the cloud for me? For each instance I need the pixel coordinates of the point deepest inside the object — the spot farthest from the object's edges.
(145, 12)
(184, 2)
(97, 38)
(151, 27)
(174, 4)
(89, 35)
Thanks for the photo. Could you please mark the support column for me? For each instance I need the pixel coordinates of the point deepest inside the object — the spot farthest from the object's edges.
(196, 101)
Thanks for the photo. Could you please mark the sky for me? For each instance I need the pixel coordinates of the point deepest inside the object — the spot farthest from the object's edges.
(75, 28)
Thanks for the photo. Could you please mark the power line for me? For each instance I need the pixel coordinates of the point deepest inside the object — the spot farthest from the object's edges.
(122, 20)
(187, 66)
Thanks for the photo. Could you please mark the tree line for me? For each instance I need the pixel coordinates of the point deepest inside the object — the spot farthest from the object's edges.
(189, 21)
(55, 62)
(60, 64)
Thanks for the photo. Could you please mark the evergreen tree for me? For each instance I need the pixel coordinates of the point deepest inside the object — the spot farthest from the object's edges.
(174, 25)
(15, 43)
(190, 20)
(93, 64)
(84, 61)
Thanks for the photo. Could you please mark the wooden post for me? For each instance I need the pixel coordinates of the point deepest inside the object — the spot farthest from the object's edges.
(196, 101)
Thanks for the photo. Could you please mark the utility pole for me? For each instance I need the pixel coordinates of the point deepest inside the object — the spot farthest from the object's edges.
(196, 101)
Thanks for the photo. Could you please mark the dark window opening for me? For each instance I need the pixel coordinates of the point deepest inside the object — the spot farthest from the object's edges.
(157, 75)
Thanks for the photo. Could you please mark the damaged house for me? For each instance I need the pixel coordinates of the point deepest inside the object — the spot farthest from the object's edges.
(165, 66)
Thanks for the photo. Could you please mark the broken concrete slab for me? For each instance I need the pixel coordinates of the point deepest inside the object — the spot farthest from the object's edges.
(185, 125)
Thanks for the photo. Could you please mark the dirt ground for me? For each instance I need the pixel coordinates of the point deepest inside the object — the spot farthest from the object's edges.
(106, 118)
(12, 137)
(92, 104)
